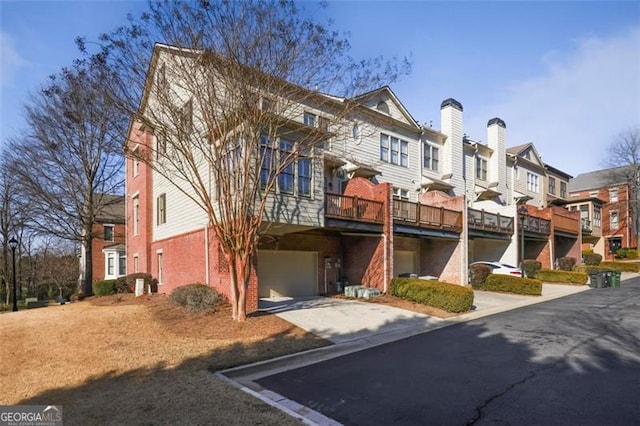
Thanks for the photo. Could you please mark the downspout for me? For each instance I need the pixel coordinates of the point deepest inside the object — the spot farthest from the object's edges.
(206, 254)
(384, 262)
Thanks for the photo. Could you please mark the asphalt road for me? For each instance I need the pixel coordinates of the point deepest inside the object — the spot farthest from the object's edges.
(574, 360)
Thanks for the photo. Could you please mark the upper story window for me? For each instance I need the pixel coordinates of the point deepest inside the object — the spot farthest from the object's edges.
(161, 143)
(161, 212)
(136, 215)
(613, 195)
(481, 168)
(394, 150)
(295, 176)
(108, 233)
(552, 186)
(400, 194)
(135, 162)
(356, 133)
(613, 219)
(431, 157)
(533, 182)
(597, 216)
(122, 263)
(382, 107)
(186, 117)
(563, 189)
(310, 119)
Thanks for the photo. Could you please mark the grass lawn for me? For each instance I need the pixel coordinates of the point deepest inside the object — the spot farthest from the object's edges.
(120, 360)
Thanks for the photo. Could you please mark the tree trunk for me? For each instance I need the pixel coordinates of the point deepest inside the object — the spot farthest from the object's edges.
(87, 287)
(231, 261)
(242, 290)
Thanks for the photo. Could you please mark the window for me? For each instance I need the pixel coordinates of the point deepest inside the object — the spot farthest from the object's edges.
(430, 157)
(160, 267)
(382, 107)
(286, 177)
(122, 264)
(135, 163)
(268, 165)
(111, 264)
(552, 186)
(481, 168)
(396, 152)
(597, 216)
(563, 189)
(304, 177)
(108, 233)
(161, 144)
(186, 117)
(136, 215)
(533, 182)
(613, 219)
(323, 123)
(400, 194)
(355, 132)
(384, 147)
(161, 213)
(162, 76)
(404, 153)
(309, 119)
(267, 104)
(135, 264)
(613, 195)
(593, 194)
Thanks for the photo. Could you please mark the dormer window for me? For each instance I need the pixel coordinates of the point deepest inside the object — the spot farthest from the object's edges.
(382, 107)
(310, 119)
(355, 133)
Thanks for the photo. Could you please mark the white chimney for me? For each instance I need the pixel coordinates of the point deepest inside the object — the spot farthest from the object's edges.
(496, 139)
(451, 125)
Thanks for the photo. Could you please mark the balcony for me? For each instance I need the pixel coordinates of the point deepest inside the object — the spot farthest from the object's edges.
(353, 208)
(566, 222)
(425, 216)
(536, 224)
(493, 222)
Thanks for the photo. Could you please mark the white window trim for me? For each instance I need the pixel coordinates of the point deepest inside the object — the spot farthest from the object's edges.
(136, 223)
(113, 231)
(160, 270)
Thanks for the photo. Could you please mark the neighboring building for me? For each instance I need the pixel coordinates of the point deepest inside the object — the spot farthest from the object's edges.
(108, 248)
(391, 197)
(606, 201)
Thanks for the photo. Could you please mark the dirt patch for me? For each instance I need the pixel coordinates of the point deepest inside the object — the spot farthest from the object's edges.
(123, 360)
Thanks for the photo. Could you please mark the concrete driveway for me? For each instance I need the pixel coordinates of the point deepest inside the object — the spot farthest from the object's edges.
(341, 320)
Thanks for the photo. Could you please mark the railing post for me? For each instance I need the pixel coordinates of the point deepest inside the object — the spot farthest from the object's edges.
(441, 217)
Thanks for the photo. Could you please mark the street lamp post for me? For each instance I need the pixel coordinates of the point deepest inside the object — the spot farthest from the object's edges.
(13, 243)
(522, 216)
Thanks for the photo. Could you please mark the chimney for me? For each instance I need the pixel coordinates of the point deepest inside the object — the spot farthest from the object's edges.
(452, 158)
(496, 140)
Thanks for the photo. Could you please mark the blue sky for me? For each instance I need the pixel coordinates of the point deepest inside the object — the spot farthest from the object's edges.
(563, 75)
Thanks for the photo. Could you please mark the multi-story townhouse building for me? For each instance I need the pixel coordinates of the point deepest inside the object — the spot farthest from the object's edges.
(108, 251)
(384, 196)
(605, 200)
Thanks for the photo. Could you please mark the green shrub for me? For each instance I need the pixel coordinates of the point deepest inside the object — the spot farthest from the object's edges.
(196, 297)
(568, 277)
(632, 253)
(104, 287)
(449, 297)
(588, 251)
(531, 267)
(511, 284)
(478, 274)
(616, 266)
(592, 259)
(621, 253)
(566, 263)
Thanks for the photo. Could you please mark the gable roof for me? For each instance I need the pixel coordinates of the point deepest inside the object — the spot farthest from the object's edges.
(600, 178)
(388, 93)
(520, 151)
(113, 208)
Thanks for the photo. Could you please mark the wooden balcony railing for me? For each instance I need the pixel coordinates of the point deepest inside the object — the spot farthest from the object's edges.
(536, 224)
(427, 216)
(566, 223)
(353, 208)
(485, 221)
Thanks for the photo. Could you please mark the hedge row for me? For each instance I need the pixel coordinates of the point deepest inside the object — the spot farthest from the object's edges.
(104, 287)
(509, 284)
(567, 277)
(449, 297)
(616, 266)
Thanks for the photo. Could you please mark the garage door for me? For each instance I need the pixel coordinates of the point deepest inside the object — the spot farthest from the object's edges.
(287, 273)
(404, 262)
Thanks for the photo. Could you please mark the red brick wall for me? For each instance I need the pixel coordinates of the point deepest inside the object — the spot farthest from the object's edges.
(97, 256)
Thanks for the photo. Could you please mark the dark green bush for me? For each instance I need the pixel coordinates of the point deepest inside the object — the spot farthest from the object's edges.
(531, 267)
(632, 253)
(567, 277)
(566, 263)
(196, 297)
(449, 297)
(621, 253)
(122, 286)
(616, 266)
(478, 274)
(104, 287)
(592, 259)
(511, 284)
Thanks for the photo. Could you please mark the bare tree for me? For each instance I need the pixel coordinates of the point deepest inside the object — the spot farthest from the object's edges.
(70, 155)
(225, 97)
(623, 156)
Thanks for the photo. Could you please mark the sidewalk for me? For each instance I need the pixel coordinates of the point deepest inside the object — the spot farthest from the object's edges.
(352, 338)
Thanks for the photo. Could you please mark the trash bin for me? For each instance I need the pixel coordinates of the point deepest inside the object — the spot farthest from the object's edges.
(608, 278)
(614, 278)
(597, 279)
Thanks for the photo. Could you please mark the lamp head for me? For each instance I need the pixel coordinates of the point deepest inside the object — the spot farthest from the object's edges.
(13, 243)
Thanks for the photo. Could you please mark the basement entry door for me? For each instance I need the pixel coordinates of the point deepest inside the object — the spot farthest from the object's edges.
(284, 273)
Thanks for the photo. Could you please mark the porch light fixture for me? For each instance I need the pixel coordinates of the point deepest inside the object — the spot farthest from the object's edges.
(13, 243)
